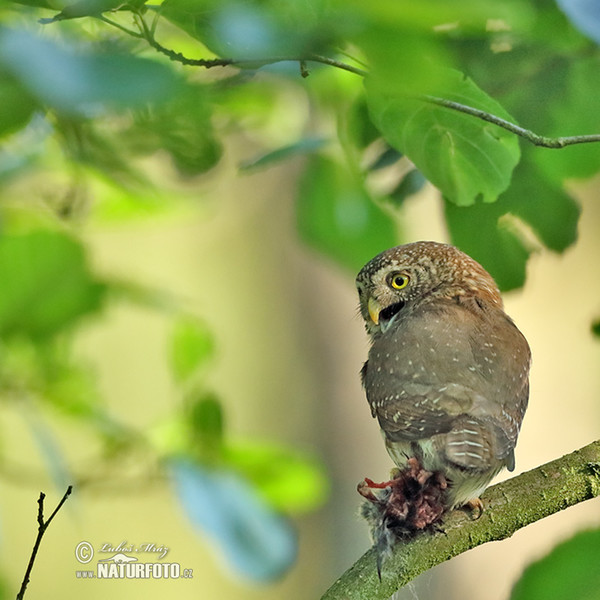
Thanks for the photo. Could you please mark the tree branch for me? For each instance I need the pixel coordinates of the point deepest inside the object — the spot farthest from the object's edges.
(147, 33)
(534, 138)
(509, 506)
(42, 526)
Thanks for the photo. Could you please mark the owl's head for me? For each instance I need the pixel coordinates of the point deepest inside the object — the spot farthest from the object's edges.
(403, 277)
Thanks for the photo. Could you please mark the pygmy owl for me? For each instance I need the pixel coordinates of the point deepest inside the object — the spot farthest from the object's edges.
(447, 375)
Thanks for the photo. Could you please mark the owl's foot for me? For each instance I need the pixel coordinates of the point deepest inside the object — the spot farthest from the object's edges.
(412, 500)
(475, 508)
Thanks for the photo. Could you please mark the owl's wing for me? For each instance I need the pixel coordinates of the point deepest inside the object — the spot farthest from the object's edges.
(456, 368)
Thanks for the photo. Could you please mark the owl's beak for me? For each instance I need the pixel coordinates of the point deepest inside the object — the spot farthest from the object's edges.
(374, 309)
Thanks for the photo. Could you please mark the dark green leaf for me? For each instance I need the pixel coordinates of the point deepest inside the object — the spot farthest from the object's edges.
(17, 104)
(596, 327)
(206, 417)
(337, 216)
(544, 205)
(465, 158)
(575, 112)
(387, 158)
(570, 571)
(46, 284)
(84, 8)
(478, 231)
(192, 346)
(184, 129)
(79, 82)
(410, 184)
(252, 28)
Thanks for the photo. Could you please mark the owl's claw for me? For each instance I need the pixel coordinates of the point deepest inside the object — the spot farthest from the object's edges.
(475, 508)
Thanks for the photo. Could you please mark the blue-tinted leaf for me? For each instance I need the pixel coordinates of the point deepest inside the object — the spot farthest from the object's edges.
(257, 542)
(411, 183)
(585, 15)
(81, 82)
(304, 146)
(570, 571)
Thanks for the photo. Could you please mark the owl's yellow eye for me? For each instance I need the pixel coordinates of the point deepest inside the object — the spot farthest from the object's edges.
(398, 280)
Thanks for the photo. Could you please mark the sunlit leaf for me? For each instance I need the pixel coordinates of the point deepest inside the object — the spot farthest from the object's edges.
(467, 159)
(338, 217)
(256, 542)
(46, 284)
(287, 478)
(570, 570)
(192, 345)
(80, 82)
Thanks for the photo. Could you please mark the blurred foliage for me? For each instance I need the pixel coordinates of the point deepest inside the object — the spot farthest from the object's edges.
(107, 113)
(569, 571)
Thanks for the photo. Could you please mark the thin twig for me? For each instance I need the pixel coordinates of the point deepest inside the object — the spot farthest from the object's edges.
(534, 138)
(42, 526)
(209, 63)
(509, 506)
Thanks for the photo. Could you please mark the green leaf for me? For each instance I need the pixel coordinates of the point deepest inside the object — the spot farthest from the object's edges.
(46, 284)
(575, 112)
(192, 346)
(287, 479)
(205, 415)
(336, 215)
(85, 8)
(183, 128)
(596, 327)
(466, 158)
(479, 231)
(543, 204)
(17, 104)
(79, 82)
(253, 28)
(569, 571)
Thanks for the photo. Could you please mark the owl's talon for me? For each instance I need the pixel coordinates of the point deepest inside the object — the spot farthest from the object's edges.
(475, 506)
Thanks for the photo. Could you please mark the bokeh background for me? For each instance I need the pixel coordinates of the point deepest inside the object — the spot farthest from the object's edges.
(224, 245)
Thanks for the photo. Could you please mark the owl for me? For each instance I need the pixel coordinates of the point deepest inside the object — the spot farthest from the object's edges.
(447, 375)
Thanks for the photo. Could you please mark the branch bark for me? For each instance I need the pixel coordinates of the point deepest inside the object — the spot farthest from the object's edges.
(42, 527)
(509, 506)
(147, 33)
